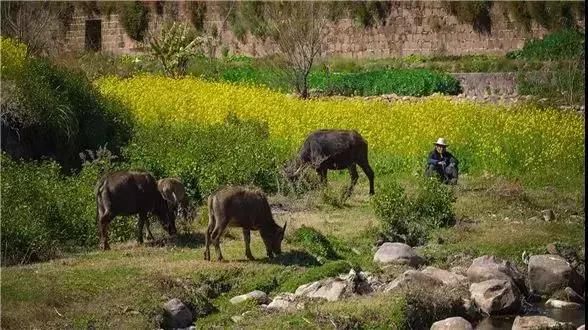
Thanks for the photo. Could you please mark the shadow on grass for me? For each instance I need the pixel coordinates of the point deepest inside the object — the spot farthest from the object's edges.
(190, 240)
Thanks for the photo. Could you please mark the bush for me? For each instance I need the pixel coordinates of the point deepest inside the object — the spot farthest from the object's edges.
(409, 82)
(411, 218)
(54, 112)
(135, 19)
(560, 45)
(314, 242)
(13, 54)
(233, 152)
(562, 85)
(45, 213)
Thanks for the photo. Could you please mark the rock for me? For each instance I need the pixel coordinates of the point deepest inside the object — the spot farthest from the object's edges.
(259, 296)
(397, 253)
(573, 296)
(284, 301)
(237, 318)
(459, 270)
(560, 304)
(497, 296)
(413, 278)
(490, 267)
(452, 323)
(306, 288)
(448, 278)
(331, 289)
(176, 314)
(549, 273)
(548, 215)
(538, 322)
(582, 327)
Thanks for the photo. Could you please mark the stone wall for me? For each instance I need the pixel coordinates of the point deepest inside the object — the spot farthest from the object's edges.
(412, 27)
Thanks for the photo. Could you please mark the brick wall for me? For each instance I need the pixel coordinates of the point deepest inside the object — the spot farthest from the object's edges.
(411, 28)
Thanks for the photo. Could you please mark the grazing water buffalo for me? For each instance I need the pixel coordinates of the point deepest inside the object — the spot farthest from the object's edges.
(245, 208)
(129, 193)
(173, 191)
(333, 150)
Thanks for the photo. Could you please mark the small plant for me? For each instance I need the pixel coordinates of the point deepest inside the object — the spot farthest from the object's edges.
(314, 242)
(174, 48)
(410, 218)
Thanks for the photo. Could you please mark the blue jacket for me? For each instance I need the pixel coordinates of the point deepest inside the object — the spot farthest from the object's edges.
(435, 157)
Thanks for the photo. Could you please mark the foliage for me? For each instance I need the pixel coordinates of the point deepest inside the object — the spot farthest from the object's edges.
(475, 13)
(552, 15)
(13, 54)
(135, 19)
(56, 112)
(560, 45)
(410, 218)
(314, 242)
(197, 11)
(413, 82)
(174, 47)
(533, 144)
(45, 213)
(207, 156)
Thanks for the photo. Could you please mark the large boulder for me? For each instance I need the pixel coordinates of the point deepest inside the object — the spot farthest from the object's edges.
(452, 323)
(413, 278)
(490, 267)
(497, 296)
(397, 253)
(448, 278)
(549, 273)
(176, 314)
(259, 296)
(539, 322)
(560, 304)
(331, 289)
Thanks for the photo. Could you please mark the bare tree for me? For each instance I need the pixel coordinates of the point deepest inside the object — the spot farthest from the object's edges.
(299, 31)
(33, 23)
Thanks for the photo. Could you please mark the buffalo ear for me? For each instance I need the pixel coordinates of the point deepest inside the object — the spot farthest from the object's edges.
(284, 228)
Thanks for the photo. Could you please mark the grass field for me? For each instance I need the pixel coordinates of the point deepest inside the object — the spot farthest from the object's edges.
(125, 287)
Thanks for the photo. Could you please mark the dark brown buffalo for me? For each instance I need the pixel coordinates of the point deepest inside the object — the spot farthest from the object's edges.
(129, 193)
(333, 150)
(246, 208)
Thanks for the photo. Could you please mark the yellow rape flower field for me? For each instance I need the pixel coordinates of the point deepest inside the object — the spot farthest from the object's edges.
(520, 140)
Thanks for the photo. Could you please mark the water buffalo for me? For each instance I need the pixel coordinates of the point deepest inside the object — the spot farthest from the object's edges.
(333, 150)
(246, 208)
(129, 193)
(173, 191)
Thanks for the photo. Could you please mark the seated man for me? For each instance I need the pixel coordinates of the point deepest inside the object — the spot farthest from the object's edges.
(442, 163)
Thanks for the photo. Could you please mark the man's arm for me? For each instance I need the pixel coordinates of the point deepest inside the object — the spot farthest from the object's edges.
(432, 160)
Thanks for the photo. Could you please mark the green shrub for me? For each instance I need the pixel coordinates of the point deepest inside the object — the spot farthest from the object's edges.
(13, 54)
(57, 113)
(314, 242)
(409, 82)
(233, 152)
(409, 218)
(45, 213)
(559, 45)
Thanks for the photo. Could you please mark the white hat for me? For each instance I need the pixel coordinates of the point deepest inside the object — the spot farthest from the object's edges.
(441, 142)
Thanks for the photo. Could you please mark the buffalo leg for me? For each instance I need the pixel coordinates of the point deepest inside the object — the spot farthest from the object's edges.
(104, 223)
(142, 220)
(247, 239)
(211, 225)
(365, 167)
(354, 177)
(216, 234)
(150, 235)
